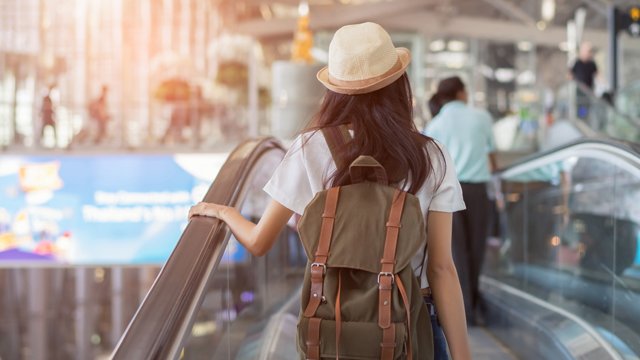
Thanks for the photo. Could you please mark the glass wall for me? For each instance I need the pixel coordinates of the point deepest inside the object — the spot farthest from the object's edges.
(572, 231)
(121, 73)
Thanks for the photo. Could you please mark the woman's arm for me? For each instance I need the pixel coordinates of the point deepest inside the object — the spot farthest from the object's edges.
(257, 238)
(443, 279)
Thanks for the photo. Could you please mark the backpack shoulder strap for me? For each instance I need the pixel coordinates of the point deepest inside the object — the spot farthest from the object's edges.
(386, 276)
(336, 137)
(319, 265)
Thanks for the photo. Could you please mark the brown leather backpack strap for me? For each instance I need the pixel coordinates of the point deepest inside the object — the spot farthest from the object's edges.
(319, 265)
(386, 277)
(313, 339)
(388, 343)
(337, 137)
(407, 309)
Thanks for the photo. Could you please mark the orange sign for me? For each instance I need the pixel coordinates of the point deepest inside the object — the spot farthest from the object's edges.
(42, 176)
(634, 13)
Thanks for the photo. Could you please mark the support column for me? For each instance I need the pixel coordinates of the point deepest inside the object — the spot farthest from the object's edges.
(37, 309)
(117, 304)
(612, 32)
(82, 328)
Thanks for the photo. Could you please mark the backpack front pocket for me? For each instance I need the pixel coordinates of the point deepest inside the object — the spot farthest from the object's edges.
(358, 340)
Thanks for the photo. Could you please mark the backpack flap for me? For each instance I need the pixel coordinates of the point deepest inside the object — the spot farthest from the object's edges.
(362, 168)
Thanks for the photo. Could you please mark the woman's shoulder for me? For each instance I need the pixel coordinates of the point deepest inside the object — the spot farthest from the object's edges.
(304, 140)
(436, 150)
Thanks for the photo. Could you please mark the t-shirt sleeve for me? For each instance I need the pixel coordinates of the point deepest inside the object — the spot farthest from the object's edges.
(448, 196)
(290, 185)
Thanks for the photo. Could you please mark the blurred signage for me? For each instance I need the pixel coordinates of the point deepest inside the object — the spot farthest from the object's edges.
(628, 20)
(102, 209)
(633, 25)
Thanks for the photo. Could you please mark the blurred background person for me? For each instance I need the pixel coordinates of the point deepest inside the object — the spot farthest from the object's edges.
(47, 116)
(584, 71)
(467, 133)
(98, 111)
(177, 122)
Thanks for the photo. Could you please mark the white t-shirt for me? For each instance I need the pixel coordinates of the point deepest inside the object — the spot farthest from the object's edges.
(307, 164)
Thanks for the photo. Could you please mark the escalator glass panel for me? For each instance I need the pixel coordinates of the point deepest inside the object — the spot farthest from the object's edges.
(571, 226)
(247, 296)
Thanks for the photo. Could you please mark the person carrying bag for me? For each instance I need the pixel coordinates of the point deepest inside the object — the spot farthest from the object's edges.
(371, 190)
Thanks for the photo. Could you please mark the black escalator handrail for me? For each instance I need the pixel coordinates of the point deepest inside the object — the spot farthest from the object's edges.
(625, 146)
(162, 321)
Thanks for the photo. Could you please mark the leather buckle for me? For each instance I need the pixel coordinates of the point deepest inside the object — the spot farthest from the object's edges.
(323, 266)
(393, 278)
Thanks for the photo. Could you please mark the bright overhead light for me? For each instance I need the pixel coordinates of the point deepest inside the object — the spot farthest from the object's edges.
(526, 77)
(548, 10)
(456, 45)
(505, 75)
(525, 46)
(437, 45)
(303, 8)
(541, 25)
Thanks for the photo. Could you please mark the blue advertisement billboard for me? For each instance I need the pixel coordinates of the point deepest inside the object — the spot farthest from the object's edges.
(99, 209)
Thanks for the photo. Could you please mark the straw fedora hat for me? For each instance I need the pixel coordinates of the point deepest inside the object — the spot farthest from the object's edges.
(362, 59)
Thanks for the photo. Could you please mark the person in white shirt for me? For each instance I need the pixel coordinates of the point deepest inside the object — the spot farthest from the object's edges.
(467, 133)
(368, 91)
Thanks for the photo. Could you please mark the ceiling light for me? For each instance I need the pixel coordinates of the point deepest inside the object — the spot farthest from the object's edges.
(303, 8)
(548, 10)
(526, 77)
(456, 45)
(525, 46)
(541, 25)
(437, 45)
(505, 75)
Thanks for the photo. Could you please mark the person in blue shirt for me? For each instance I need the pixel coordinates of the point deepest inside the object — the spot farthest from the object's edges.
(467, 133)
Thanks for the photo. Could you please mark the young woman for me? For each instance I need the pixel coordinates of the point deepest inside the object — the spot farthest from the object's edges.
(369, 92)
(467, 134)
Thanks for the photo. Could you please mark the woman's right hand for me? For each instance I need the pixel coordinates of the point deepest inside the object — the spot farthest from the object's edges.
(207, 209)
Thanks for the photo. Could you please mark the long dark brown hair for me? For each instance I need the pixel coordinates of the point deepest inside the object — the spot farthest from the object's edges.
(383, 127)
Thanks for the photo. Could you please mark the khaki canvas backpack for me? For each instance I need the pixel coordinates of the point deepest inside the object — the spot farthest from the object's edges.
(360, 297)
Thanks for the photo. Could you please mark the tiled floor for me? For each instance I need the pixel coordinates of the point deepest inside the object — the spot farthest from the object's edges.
(485, 347)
